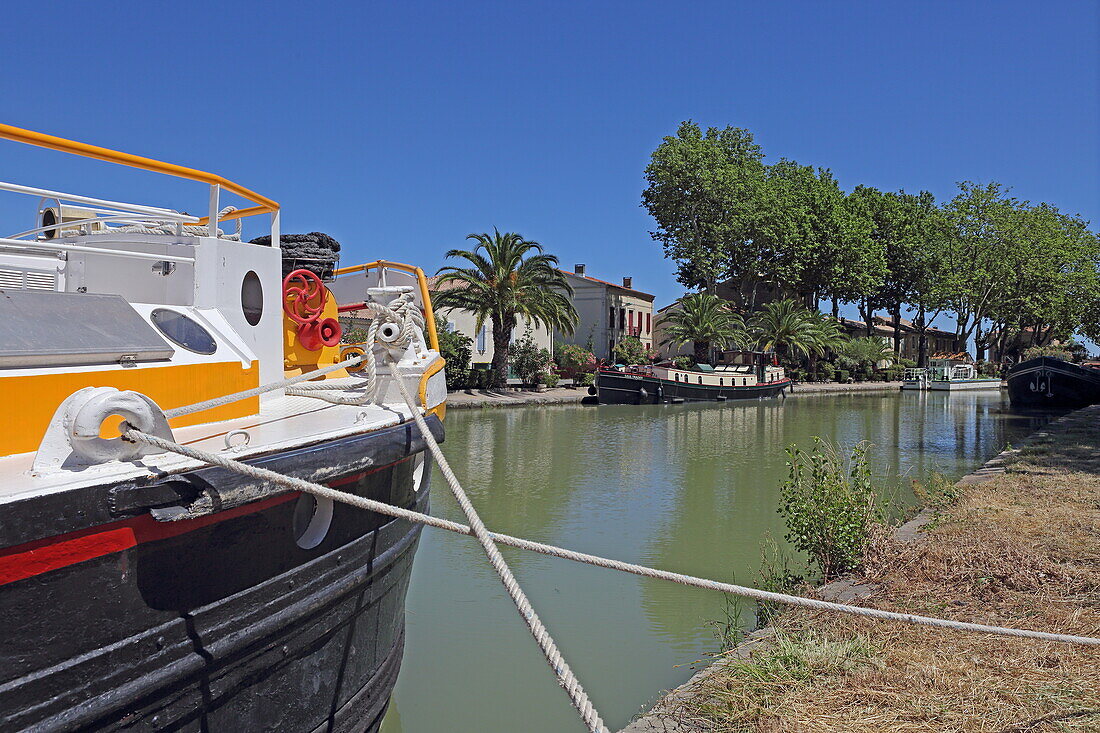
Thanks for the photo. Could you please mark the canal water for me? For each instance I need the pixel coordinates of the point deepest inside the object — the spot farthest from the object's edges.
(691, 488)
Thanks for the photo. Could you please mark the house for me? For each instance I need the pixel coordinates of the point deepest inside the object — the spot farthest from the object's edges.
(608, 313)
(936, 340)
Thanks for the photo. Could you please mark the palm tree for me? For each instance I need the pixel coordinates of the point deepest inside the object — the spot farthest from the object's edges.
(508, 276)
(867, 351)
(705, 320)
(793, 330)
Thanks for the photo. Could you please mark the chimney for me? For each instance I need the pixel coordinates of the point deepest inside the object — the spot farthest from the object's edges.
(579, 269)
(628, 283)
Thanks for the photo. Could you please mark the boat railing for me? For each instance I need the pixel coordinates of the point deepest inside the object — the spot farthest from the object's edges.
(421, 282)
(125, 213)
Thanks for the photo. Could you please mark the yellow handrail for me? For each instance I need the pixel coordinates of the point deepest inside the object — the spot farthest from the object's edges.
(422, 281)
(19, 135)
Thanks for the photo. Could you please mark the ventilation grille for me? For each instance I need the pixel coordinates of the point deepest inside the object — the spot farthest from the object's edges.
(27, 279)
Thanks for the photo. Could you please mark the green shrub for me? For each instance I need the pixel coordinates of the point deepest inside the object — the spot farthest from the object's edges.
(776, 576)
(684, 362)
(528, 361)
(631, 351)
(937, 493)
(843, 376)
(585, 380)
(1034, 352)
(479, 375)
(573, 359)
(355, 335)
(830, 506)
(551, 379)
(456, 349)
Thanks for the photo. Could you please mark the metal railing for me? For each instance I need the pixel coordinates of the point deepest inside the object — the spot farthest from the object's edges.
(147, 213)
(421, 281)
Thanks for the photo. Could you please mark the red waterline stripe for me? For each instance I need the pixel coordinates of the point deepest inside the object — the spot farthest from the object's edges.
(51, 553)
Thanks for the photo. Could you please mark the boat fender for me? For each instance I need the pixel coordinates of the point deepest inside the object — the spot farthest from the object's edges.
(642, 395)
(660, 392)
(592, 391)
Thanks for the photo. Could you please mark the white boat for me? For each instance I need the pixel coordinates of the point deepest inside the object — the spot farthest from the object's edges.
(144, 589)
(947, 375)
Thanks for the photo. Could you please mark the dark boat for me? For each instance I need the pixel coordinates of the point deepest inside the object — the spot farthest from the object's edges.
(144, 590)
(1050, 382)
(740, 375)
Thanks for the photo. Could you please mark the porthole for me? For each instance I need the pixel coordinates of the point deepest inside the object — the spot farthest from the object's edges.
(311, 521)
(183, 331)
(252, 298)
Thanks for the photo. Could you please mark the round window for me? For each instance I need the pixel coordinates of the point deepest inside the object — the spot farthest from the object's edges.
(183, 331)
(252, 298)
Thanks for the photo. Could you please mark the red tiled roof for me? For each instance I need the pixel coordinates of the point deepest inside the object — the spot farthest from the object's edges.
(643, 295)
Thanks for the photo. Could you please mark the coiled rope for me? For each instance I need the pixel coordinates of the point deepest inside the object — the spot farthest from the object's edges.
(196, 230)
(401, 311)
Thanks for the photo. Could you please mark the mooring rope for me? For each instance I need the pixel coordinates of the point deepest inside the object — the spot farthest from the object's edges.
(546, 642)
(603, 562)
(405, 317)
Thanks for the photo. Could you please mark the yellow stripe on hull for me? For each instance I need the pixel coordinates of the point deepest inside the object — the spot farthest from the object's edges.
(33, 399)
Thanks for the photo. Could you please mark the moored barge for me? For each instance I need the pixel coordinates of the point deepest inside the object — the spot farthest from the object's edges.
(145, 590)
(1047, 381)
(739, 375)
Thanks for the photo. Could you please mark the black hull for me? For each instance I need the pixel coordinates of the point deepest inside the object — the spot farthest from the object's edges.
(1046, 382)
(615, 388)
(222, 622)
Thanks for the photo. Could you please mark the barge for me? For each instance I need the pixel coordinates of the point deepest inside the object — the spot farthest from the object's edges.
(739, 375)
(144, 590)
(1047, 381)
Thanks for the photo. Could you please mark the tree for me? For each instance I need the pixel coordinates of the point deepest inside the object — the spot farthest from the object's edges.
(794, 331)
(508, 276)
(980, 259)
(808, 239)
(455, 348)
(865, 353)
(704, 320)
(702, 190)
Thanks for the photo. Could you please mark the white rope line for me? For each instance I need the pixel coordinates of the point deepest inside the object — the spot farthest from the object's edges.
(566, 678)
(196, 230)
(401, 311)
(603, 562)
(256, 391)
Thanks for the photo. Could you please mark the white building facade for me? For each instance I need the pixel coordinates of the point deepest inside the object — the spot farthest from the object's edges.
(608, 313)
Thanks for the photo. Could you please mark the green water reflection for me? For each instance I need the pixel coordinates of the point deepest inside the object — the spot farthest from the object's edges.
(690, 488)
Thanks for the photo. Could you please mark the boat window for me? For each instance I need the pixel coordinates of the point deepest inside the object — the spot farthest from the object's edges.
(700, 380)
(720, 383)
(252, 298)
(183, 331)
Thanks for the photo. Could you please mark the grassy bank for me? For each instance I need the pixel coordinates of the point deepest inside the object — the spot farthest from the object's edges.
(1020, 549)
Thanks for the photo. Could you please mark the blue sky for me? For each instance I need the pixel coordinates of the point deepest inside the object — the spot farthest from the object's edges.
(400, 127)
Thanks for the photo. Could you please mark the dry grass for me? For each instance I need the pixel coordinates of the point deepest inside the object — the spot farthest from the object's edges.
(1020, 550)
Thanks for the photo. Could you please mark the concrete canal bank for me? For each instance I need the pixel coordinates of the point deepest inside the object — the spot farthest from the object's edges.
(463, 399)
(1014, 543)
